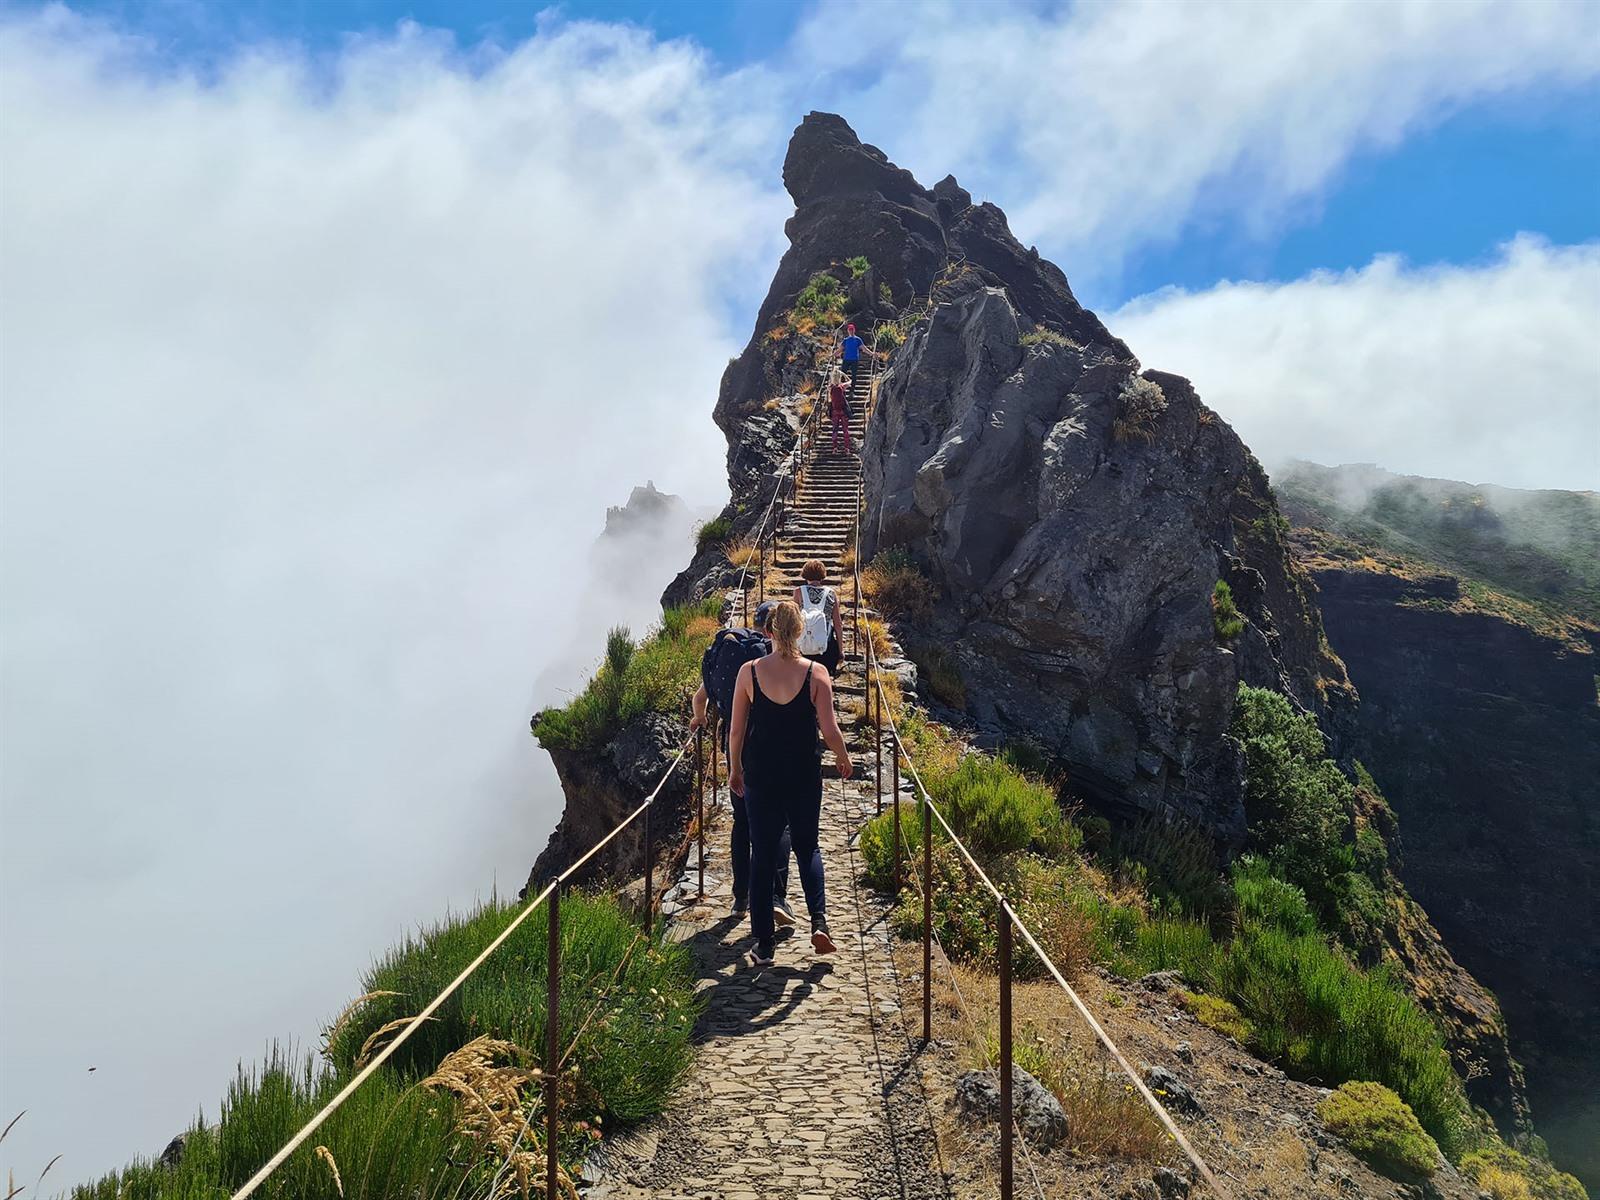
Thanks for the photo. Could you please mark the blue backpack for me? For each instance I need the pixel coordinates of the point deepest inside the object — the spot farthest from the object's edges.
(719, 665)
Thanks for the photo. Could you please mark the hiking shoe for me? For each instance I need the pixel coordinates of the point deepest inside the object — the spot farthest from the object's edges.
(761, 956)
(821, 940)
(782, 914)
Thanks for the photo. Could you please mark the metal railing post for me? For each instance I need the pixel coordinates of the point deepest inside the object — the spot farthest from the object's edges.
(700, 801)
(552, 1044)
(927, 922)
(894, 803)
(716, 741)
(876, 708)
(649, 874)
(1006, 1182)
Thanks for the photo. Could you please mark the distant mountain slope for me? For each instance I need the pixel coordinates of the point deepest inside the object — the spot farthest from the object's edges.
(1542, 547)
(1467, 618)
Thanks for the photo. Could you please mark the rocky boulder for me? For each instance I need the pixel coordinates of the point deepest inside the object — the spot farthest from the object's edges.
(1037, 1112)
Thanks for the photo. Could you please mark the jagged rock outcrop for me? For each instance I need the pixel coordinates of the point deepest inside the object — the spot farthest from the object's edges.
(1077, 514)
(603, 786)
(649, 512)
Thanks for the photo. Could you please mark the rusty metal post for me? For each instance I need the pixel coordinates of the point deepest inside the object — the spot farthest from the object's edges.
(1006, 1183)
(744, 581)
(649, 874)
(875, 700)
(894, 802)
(700, 801)
(927, 922)
(716, 740)
(761, 574)
(552, 1043)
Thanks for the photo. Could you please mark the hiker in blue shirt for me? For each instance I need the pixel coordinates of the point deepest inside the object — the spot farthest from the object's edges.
(850, 350)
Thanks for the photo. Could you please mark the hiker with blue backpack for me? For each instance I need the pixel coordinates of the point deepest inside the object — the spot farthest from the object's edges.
(822, 634)
(730, 649)
(781, 703)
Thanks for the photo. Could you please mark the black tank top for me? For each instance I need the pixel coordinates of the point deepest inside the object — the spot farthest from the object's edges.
(783, 737)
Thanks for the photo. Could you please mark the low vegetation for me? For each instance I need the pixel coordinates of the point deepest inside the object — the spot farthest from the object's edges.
(1253, 944)
(942, 674)
(461, 1103)
(858, 265)
(658, 675)
(713, 533)
(1226, 620)
(822, 299)
(1380, 1128)
(1508, 1174)
(896, 586)
(1044, 336)
(1140, 404)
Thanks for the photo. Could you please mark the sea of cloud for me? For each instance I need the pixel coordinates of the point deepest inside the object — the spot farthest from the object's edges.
(319, 371)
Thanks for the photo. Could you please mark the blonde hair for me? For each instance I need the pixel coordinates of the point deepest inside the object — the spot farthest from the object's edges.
(784, 627)
(814, 571)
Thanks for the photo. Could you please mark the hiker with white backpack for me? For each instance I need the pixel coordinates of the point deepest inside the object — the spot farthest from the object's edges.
(822, 628)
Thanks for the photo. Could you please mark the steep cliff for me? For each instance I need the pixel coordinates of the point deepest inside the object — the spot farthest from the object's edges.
(1478, 713)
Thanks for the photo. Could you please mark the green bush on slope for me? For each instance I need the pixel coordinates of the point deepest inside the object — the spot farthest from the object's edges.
(1379, 1127)
(658, 675)
(393, 1137)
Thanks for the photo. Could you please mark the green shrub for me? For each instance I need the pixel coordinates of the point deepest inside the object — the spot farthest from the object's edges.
(629, 1057)
(1297, 802)
(876, 843)
(965, 918)
(1216, 1013)
(1176, 861)
(823, 298)
(858, 265)
(1322, 1018)
(889, 335)
(886, 295)
(1264, 898)
(713, 533)
(1226, 620)
(997, 810)
(1508, 1174)
(1381, 1128)
(658, 675)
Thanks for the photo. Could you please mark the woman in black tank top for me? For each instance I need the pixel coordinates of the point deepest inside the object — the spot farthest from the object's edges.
(780, 704)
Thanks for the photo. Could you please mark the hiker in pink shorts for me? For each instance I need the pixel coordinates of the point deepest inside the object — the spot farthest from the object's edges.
(839, 411)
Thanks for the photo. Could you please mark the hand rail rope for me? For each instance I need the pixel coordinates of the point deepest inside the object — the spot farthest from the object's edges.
(1010, 914)
(416, 1022)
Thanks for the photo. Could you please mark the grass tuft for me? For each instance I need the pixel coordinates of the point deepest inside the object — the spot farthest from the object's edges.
(1379, 1127)
(1226, 620)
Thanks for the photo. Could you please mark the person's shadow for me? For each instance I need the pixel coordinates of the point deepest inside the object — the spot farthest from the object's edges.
(743, 999)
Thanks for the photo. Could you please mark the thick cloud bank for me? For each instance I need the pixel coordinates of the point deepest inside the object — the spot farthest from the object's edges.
(1488, 374)
(317, 383)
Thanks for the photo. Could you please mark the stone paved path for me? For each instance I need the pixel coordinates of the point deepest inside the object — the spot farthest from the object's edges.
(804, 1085)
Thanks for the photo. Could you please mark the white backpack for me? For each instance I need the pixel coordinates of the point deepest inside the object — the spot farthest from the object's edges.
(814, 611)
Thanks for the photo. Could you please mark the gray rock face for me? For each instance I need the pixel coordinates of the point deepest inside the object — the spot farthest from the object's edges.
(1078, 539)
(1037, 1112)
(605, 786)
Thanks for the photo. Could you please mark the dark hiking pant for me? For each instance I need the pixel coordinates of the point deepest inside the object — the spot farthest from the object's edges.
(772, 803)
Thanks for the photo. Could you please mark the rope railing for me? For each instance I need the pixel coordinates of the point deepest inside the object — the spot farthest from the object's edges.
(1009, 919)
(552, 894)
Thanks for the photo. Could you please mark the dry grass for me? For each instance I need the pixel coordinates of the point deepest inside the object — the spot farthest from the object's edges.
(702, 628)
(804, 408)
(1206, 416)
(331, 1033)
(847, 562)
(897, 588)
(379, 1037)
(878, 632)
(893, 701)
(489, 1084)
(741, 551)
(772, 405)
(326, 1155)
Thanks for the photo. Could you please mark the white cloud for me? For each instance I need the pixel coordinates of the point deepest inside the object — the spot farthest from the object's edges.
(317, 381)
(1486, 373)
(1104, 126)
